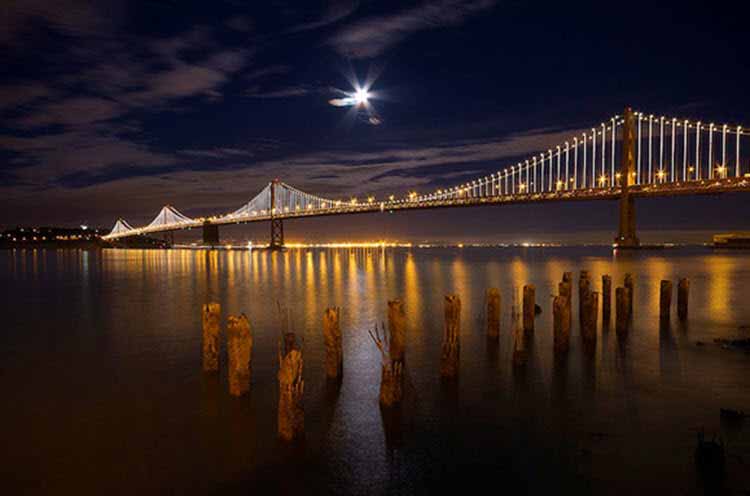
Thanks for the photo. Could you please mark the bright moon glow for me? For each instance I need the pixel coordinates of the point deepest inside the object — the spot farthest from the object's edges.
(359, 99)
(361, 96)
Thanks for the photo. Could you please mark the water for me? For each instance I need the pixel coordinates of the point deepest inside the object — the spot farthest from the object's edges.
(100, 358)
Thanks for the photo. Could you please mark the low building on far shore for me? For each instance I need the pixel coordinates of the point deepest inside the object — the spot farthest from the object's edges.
(82, 236)
(732, 240)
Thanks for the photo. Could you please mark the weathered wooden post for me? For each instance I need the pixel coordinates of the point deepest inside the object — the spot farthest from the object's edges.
(291, 417)
(606, 298)
(565, 289)
(665, 299)
(397, 329)
(493, 313)
(334, 350)
(629, 285)
(590, 313)
(561, 323)
(622, 312)
(584, 288)
(391, 383)
(529, 300)
(451, 341)
(211, 329)
(239, 351)
(683, 291)
(391, 371)
(520, 355)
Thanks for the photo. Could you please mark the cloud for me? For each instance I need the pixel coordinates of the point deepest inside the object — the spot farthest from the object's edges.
(371, 37)
(337, 11)
(272, 70)
(73, 111)
(217, 153)
(13, 96)
(290, 91)
(72, 17)
(181, 79)
(80, 152)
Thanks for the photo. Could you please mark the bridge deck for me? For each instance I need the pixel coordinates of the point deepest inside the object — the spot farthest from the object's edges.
(702, 187)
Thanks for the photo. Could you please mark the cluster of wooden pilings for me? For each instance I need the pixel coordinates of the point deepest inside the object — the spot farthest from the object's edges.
(391, 342)
(239, 335)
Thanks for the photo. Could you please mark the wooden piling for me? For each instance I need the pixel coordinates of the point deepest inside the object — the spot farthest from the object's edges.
(683, 291)
(622, 312)
(520, 355)
(589, 318)
(630, 286)
(665, 299)
(397, 329)
(606, 298)
(584, 288)
(391, 383)
(449, 358)
(291, 416)
(529, 297)
(211, 317)
(565, 289)
(493, 302)
(391, 371)
(561, 322)
(334, 350)
(239, 352)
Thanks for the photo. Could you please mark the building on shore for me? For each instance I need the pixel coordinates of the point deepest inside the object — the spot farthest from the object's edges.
(732, 240)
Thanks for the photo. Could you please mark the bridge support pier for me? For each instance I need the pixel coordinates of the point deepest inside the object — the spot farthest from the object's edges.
(210, 234)
(169, 239)
(277, 234)
(277, 225)
(626, 237)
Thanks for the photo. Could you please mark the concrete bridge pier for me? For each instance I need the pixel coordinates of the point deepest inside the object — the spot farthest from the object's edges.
(626, 237)
(210, 234)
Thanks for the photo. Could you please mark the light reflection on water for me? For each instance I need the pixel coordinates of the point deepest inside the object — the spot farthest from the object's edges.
(101, 362)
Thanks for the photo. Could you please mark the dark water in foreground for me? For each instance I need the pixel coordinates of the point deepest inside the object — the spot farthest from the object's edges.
(103, 393)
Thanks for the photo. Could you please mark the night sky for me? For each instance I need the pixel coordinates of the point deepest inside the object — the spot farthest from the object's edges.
(114, 109)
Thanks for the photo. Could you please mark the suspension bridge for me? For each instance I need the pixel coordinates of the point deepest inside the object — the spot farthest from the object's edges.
(629, 156)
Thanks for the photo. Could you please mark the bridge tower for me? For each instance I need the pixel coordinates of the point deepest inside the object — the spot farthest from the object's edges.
(277, 225)
(626, 237)
(210, 234)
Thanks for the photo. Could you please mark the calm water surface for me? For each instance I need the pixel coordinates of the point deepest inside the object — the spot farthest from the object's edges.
(103, 391)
